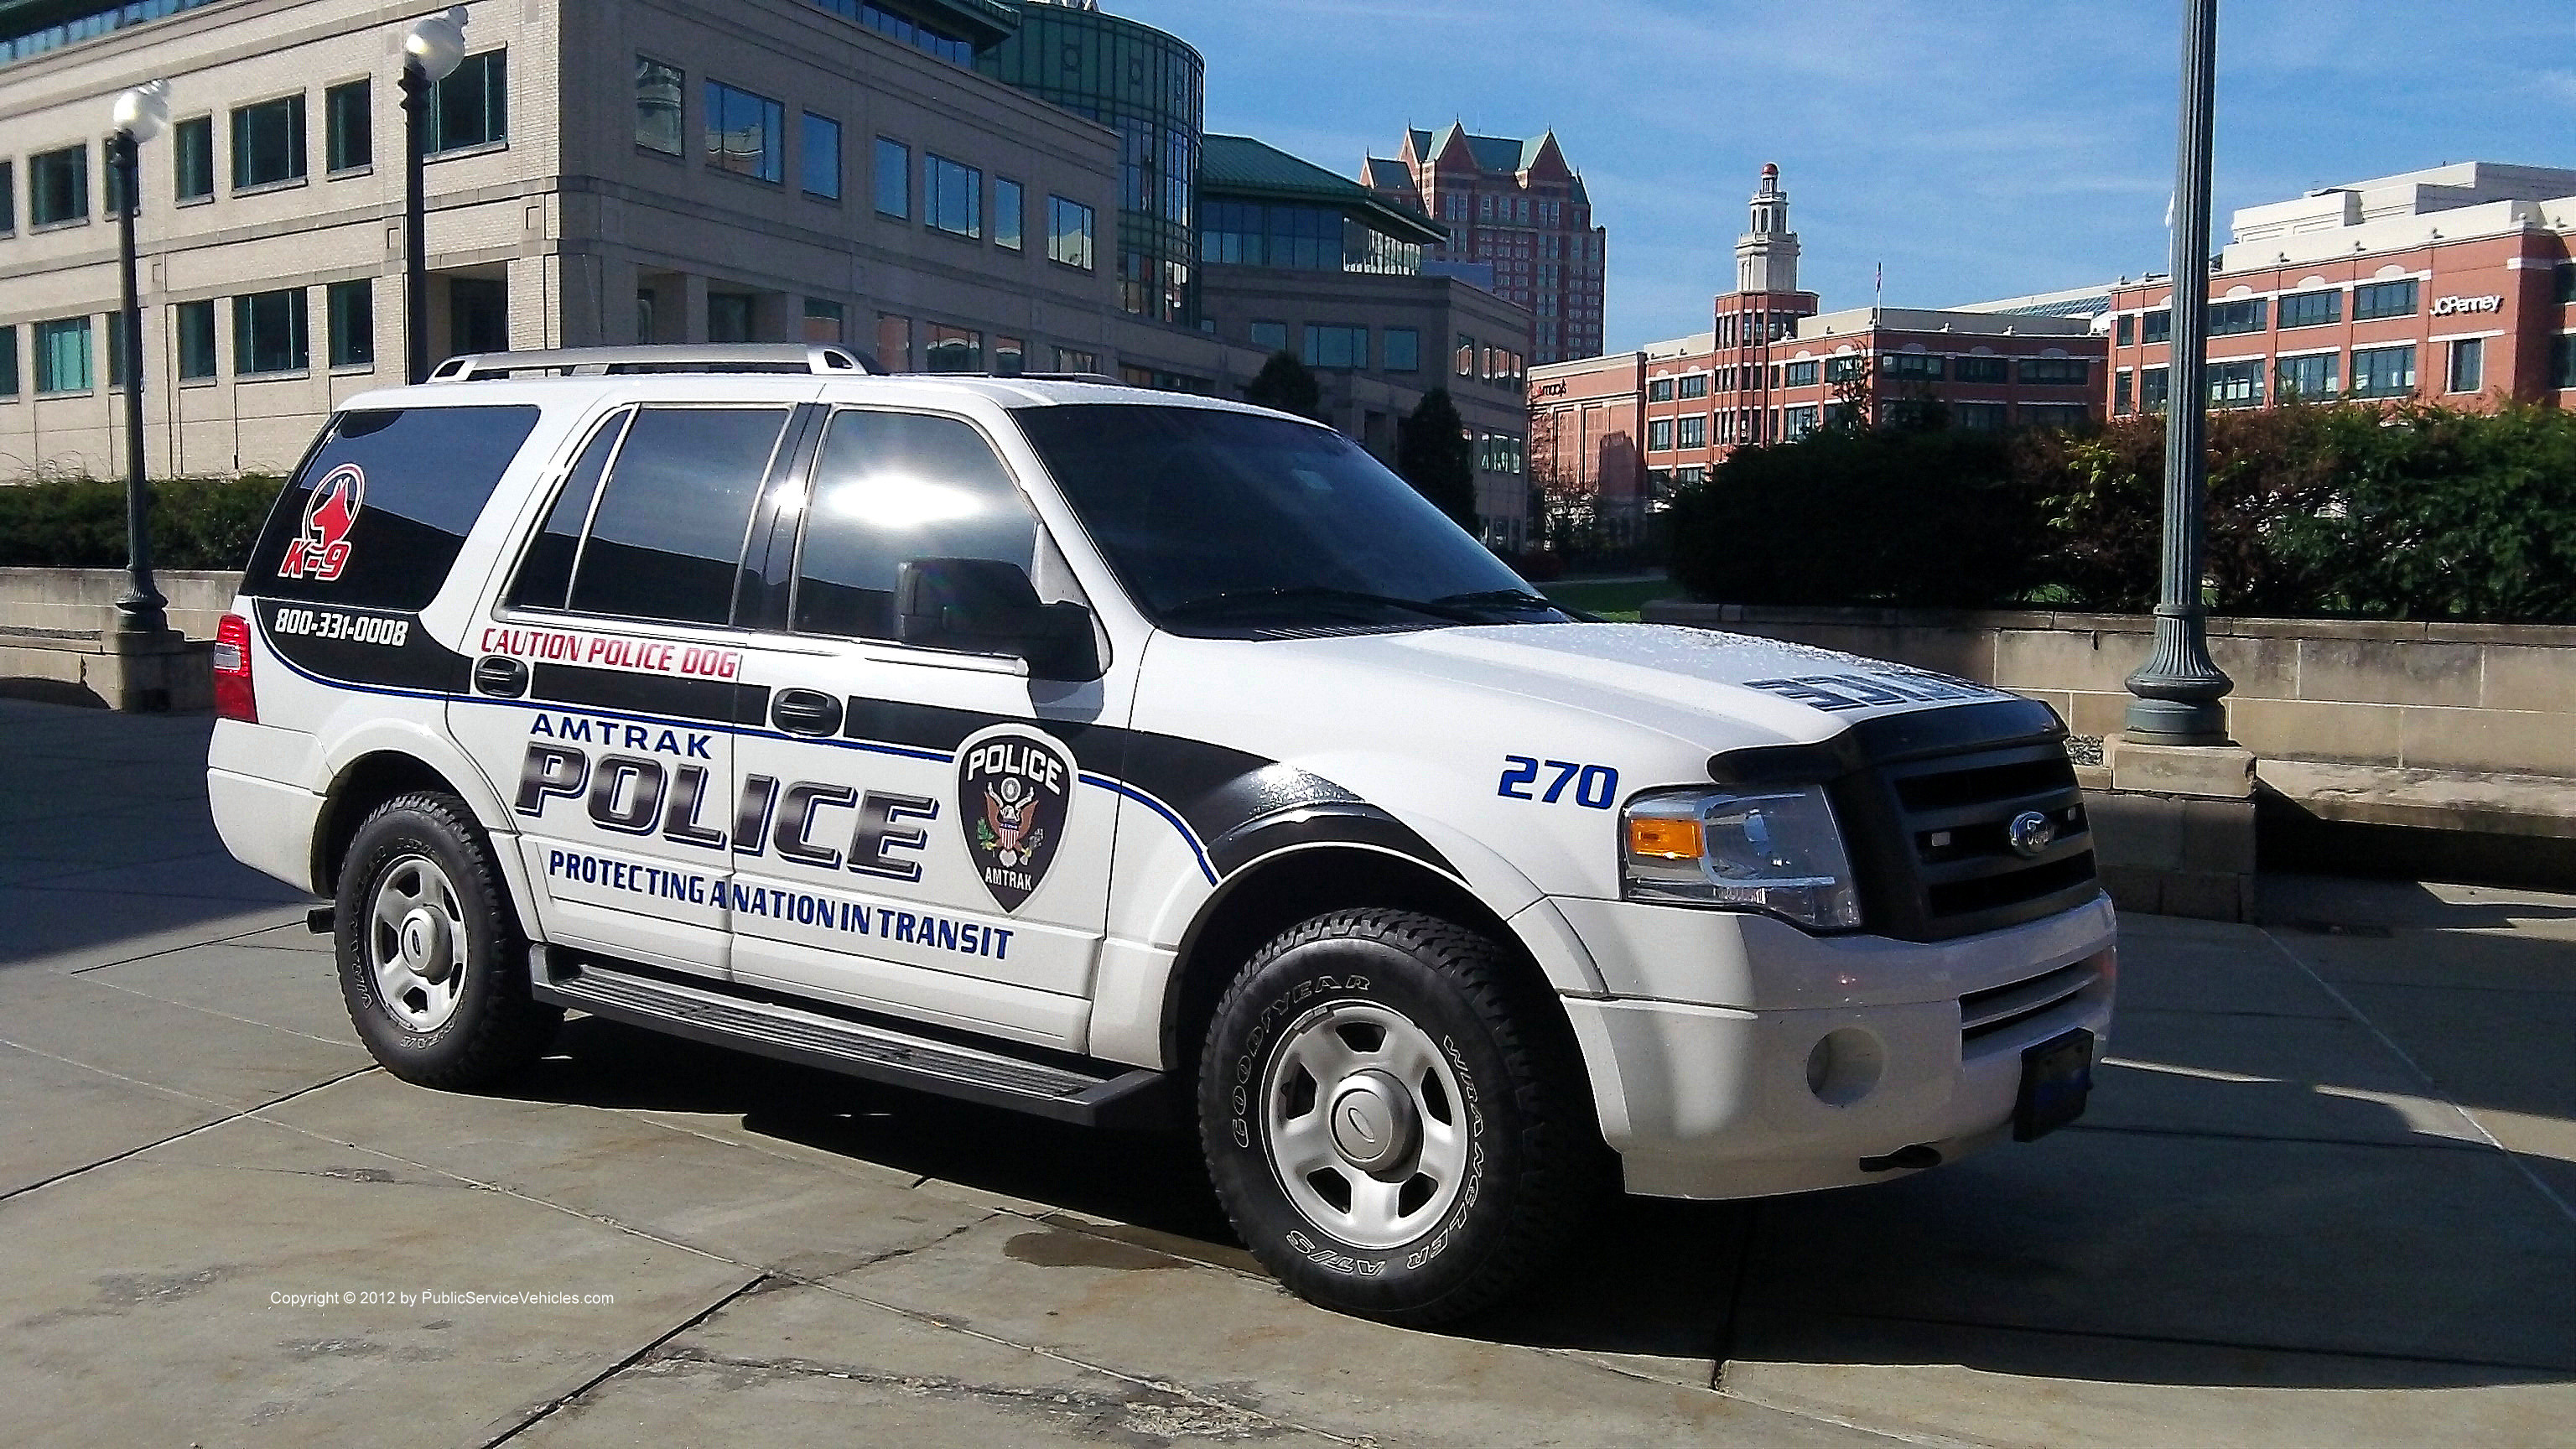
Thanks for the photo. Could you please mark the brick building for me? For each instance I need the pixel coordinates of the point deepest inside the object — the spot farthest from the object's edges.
(1519, 224)
(2451, 284)
(1628, 426)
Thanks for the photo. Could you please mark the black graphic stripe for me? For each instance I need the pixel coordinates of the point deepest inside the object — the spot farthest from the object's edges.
(717, 701)
(419, 662)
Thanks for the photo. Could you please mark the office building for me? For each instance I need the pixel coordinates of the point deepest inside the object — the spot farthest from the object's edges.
(1294, 257)
(2452, 284)
(1628, 427)
(1519, 223)
(950, 185)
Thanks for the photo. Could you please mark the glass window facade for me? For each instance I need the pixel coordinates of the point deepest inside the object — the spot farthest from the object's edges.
(2236, 384)
(1150, 88)
(2233, 319)
(192, 159)
(894, 178)
(952, 196)
(2311, 309)
(1007, 208)
(2468, 370)
(818, 156)
(2310, 377)
(746, 133)
(953, 48)
(1336, 346)
(472, 106)
(2383, 371)
(347, 127)
(2382, 299)
(269, 333)
(196, 326)
(351, 323)
(1069, 233)
(58, 186)
(62, 355)
(1300, 238)
(1402, 349)
(658, 103)
(2056, 371)
(1800, 374)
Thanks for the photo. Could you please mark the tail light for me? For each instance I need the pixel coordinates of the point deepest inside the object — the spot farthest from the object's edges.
(234, 698)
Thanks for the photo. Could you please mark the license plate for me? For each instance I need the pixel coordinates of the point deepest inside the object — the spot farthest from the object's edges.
(2056, 1075)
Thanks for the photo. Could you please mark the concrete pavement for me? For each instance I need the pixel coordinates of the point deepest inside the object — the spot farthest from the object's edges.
(2322, 1198)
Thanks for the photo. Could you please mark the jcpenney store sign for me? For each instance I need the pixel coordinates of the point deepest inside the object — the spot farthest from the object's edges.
(2450, 306)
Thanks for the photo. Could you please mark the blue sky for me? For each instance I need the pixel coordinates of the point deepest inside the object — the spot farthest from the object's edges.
(1977, 148)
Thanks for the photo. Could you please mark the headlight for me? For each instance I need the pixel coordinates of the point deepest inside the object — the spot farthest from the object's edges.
(1771, 850)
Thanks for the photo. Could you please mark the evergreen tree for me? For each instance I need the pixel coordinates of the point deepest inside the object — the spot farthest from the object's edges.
(1288, 385)
(1432, 453)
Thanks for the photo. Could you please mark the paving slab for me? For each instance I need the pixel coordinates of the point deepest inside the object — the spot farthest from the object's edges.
(57, 1117)
(801, 1365)
(810, 1215)
(2001, 1387)
(60, 931)
(2425, 1253)
(297, 991)
(2327, 1079)
(220, 1058)
(2171, 964)
(140, 1307)
(1148, 1315)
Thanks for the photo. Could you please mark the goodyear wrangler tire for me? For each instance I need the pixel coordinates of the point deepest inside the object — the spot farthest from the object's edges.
(432, 964)
(1394, 1120)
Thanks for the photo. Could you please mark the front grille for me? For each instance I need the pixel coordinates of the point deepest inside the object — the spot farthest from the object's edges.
(1932, 842)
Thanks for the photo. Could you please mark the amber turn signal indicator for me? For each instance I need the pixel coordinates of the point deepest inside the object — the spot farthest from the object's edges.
(1664, 839)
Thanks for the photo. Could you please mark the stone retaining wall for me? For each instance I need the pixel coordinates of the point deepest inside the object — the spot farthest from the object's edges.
(58, 638)
(2478, 698)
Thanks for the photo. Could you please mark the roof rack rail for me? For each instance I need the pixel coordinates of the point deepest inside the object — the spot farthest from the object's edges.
(709, 357)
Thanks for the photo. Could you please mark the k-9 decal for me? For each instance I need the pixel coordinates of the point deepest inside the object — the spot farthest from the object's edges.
(1013, 792)
(321, 551)
(1526, 777)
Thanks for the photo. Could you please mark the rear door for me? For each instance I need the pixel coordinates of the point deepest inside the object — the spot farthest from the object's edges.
(607, 682)
(925, 840)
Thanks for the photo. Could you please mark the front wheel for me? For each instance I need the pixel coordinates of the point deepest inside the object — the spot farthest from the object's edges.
(1394, 1121)
(432, 964)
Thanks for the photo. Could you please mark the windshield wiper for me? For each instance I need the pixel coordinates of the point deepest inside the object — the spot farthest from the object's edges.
(1234, 600)
(1499, 599)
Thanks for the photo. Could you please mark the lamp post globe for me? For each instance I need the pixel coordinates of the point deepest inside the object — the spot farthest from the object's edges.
(435, 43)
(432, 49)
(138, 115)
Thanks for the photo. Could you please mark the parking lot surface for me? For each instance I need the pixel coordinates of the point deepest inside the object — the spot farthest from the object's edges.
(2322, 1197)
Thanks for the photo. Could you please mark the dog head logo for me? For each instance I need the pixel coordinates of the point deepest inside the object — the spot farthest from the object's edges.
(1013, 789)
(321, 551)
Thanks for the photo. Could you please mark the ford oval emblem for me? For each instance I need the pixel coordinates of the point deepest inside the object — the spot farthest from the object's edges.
(2030, 833)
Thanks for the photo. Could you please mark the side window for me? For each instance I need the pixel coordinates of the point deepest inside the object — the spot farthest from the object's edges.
(381, 508)
(666, 539)
(890, 487)
(546, 573)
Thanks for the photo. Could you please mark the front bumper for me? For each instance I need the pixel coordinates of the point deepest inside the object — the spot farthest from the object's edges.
(1713, 1101)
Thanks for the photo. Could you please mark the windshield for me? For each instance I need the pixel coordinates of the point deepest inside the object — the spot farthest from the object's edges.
(1224, 523)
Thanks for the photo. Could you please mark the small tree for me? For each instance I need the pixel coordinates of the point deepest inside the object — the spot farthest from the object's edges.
(1432, 453)
(1288, 385)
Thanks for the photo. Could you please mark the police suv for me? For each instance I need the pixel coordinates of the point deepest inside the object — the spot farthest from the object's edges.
(1111, 755)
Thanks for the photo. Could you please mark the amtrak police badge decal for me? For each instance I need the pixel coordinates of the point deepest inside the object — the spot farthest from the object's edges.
(1013, 789)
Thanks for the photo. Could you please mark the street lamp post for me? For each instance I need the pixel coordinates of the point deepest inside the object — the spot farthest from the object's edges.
(139, 115)
(431, 50)
(2179, 688)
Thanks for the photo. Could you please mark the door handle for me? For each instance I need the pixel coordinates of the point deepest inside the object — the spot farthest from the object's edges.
(501, 675)
(806, 712)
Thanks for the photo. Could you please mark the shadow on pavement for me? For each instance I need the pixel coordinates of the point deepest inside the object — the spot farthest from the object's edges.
(2347, 1255)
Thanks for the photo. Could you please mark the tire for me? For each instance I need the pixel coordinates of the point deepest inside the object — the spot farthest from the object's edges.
(418, 880)
(1395, 1122)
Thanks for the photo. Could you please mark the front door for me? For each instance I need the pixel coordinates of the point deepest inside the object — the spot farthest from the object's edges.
(914, 831)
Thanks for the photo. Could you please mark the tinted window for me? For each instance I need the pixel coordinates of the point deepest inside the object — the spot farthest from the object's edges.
(890, 487)
(666, 539)
(547, 571)
(404, 486)
(1225, 520)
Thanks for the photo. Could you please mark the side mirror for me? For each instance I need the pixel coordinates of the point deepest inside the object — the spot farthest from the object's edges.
(986, 606)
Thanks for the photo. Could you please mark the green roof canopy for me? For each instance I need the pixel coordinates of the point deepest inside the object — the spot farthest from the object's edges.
(1241, 168)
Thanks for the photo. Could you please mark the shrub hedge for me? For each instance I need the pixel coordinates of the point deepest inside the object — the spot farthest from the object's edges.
(2405, 511)
(197, 523)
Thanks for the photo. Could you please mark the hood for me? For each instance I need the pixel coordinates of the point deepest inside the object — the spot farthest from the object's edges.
(1682, 681)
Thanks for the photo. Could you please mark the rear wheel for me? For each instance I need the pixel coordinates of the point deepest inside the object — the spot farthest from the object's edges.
(1393, 1120)
(432, 965)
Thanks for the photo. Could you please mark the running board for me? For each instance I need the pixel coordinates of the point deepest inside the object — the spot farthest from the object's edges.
(1129, 1098)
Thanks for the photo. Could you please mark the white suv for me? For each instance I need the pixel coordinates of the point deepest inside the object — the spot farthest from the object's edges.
(1103, 754)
